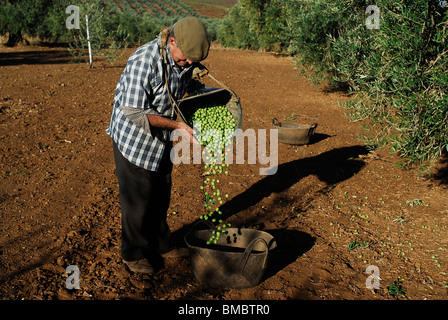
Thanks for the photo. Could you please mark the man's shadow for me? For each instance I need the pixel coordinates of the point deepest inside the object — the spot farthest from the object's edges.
(331, 167)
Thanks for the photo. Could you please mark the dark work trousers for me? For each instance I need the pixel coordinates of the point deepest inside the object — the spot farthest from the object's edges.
(144, 200)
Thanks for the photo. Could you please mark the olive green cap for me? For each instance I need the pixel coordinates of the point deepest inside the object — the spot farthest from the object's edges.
(192, 38)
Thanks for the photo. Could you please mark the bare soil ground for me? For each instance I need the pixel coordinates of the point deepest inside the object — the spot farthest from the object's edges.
(59, 195)
(211, 8)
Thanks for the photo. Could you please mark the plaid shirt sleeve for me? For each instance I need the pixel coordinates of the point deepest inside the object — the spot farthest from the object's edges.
(135, 86)
(141, 86)
(134, 91)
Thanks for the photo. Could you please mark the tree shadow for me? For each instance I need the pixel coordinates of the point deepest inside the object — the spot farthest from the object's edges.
(22, 267)
(34, 57)
(442, 173)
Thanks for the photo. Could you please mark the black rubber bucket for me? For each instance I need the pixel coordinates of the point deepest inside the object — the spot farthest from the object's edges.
(238, 260)
(295, 134)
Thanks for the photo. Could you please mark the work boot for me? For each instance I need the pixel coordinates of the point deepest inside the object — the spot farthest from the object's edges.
(142, 266)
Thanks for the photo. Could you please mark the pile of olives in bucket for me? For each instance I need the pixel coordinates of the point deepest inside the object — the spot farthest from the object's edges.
(215, 128)
(213, 121)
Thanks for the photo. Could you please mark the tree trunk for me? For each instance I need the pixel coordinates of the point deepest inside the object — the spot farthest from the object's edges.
(14, 39)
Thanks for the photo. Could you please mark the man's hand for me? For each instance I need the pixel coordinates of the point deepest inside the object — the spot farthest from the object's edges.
(187, 132)
(165, 123)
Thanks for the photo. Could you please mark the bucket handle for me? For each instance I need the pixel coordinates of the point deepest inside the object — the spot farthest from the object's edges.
(275, 122)
(311, 129)
(249, 249)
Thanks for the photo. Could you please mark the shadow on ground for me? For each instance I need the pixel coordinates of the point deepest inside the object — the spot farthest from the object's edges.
(331, 167)
(291, 244)
(442, 173)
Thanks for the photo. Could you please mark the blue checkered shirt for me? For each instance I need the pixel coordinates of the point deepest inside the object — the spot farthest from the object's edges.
(142, 85)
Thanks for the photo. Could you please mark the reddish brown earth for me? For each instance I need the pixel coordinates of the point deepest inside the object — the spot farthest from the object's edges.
(59, 195)
(213, 9)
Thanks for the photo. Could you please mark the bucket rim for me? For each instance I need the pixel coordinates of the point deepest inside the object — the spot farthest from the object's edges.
(271, 243)
(293, 126)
